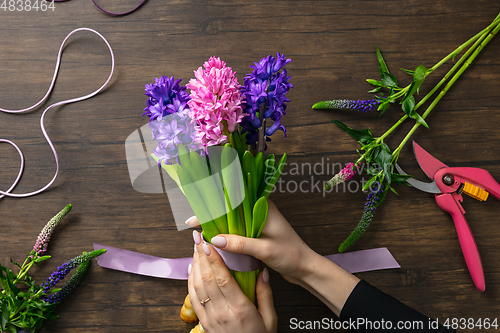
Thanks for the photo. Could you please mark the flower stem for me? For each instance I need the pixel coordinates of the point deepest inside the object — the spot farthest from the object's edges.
(467, 63)
(464, 45)
(22, 273)
(479, 35)
(480, 40)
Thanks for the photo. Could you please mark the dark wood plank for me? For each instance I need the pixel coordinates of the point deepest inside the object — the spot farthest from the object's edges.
(332, 44)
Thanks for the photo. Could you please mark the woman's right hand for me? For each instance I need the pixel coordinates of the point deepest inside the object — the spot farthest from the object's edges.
(279, 247)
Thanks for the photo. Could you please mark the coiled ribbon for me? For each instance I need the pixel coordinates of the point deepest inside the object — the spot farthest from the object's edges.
(73, 100)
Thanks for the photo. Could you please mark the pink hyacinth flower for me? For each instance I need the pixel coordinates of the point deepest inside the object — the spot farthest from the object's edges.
(216, 102)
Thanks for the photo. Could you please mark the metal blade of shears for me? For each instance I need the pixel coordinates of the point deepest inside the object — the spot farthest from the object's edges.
(422, 186)
(428, 163)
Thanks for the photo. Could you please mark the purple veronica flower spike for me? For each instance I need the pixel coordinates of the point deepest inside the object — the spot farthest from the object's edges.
(70, 286)
(58, 275)
(343, 104)
(268, 83)
(375, 197)
(63, 270)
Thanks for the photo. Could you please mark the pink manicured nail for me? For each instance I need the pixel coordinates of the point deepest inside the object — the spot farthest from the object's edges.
(265, 275)
(190, 221)
(219, 241)
(189, 269)
(196, 237)
(206, 249)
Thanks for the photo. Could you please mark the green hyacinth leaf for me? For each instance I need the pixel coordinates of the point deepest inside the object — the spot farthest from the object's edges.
(279, 168)
(232, 176)
(260, 211)
(197, 203)
(269, 171)
(259, 165)
(184, 157)
(211, 193)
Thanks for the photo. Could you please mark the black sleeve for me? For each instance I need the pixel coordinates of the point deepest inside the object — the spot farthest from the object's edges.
(370, 310)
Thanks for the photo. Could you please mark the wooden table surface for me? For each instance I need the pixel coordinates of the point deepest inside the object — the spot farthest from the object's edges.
(332, 44)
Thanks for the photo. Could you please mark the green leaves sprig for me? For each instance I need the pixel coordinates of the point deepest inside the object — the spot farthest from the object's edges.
(389, 82)
(379, 158)
(26, 307)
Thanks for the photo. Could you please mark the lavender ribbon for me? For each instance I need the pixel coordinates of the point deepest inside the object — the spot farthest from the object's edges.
(143, 264)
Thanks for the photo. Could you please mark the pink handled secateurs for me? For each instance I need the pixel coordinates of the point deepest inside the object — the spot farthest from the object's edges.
(448, 184)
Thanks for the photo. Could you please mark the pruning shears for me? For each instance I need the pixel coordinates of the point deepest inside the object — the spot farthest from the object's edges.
(448, 184)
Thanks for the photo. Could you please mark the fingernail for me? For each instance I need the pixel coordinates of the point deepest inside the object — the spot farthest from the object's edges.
(206, 249)
(195, 249)
(189, 269)
(219, 241)
(190, 220)
(265, 275)
(196, 237)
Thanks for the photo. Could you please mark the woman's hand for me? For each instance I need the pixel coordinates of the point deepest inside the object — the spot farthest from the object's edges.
(279, 247)
(226, 308)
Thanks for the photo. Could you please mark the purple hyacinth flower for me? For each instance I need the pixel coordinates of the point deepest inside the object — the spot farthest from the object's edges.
(165, 97)
(266, 85)
(169, 122)
(171, 131)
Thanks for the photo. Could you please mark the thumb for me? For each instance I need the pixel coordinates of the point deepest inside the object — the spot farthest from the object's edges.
(239, 244)
(265, 301)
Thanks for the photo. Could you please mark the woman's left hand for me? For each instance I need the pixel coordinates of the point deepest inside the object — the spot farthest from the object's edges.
(225, 307)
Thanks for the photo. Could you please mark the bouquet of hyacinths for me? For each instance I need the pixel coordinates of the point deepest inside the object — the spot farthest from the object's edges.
(211, 142)
(25, 309)
(374, 151)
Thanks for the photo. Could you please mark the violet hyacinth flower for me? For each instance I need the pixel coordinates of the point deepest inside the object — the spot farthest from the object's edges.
(173, 130)
(165, 97)
(42, 241)
(268, 83)
(343, 104)
(344, 175)
(169, 122)
(374, 198)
